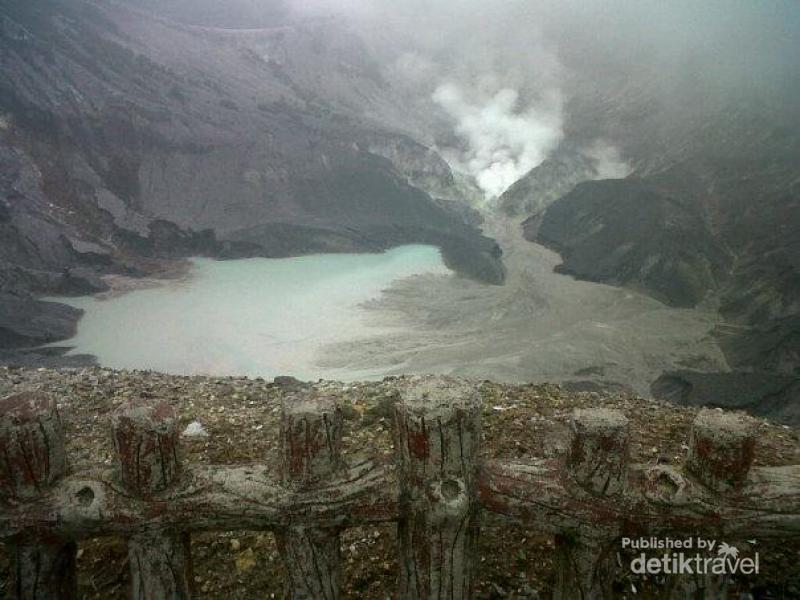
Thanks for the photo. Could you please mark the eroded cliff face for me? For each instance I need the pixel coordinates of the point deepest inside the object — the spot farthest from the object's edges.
(126, 139)
(546, 183)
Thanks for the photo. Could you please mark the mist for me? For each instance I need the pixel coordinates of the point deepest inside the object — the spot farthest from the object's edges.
(493, 80)
(490, 82)
(504, 140)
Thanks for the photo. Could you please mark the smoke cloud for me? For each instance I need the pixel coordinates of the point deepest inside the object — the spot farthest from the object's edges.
(490, 83)
(503, 140)
(608, 164)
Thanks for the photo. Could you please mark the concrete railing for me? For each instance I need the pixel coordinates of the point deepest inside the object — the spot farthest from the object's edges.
(434, 490)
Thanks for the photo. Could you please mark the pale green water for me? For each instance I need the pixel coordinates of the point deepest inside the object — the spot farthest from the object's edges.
(256, 317)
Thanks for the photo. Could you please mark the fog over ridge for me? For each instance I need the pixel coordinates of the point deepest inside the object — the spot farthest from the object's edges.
(500, 74)
(457, 64)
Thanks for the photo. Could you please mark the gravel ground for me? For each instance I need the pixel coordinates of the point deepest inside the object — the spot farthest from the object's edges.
(241, 417)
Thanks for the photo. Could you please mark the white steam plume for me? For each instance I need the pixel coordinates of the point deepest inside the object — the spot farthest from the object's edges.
(503, 140)
(608, 163)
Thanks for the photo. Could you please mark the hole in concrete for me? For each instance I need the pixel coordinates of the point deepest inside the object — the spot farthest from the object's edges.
(667, 485)
(85, 496)
(450, 489)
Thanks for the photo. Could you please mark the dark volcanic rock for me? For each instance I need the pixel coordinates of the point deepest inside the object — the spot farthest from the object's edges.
(47, 357)
(761, 393)
(547, 182)
(28, 322)
(668, 236)
(712, 210)
(631, 232)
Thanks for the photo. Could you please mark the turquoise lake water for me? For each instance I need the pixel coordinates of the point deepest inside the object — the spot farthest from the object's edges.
(256, 317)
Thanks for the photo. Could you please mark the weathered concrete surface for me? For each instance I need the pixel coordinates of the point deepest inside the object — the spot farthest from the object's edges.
(32, 442)
(311, 439)
(438, 432)
(34, 459)
(146, 440)
(721, 449)
(598, 456)
(433, 492)
(160, 565)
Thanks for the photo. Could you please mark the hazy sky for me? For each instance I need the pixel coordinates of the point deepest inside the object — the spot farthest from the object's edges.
(743, 38)
(500, 72)
(499, 68)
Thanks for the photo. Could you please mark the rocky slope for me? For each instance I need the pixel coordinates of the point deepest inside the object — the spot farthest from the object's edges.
(710, 214)
(127, 139)
(631, 232)
(555, 176)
